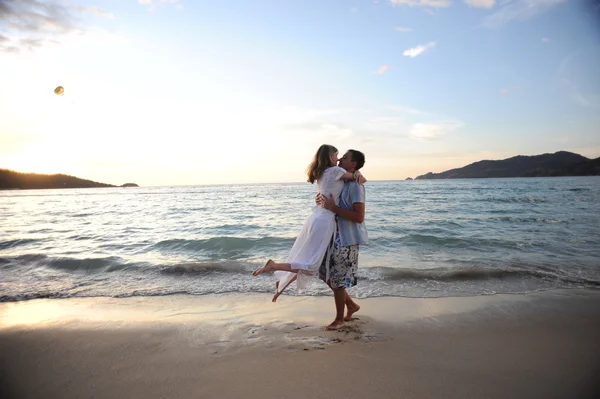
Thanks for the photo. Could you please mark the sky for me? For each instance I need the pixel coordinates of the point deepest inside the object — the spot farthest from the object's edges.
(182, 92)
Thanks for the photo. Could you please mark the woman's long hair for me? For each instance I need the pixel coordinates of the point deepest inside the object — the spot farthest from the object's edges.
(321, 161)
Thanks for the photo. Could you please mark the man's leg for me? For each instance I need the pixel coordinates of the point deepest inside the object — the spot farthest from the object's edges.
(340, 260)
(352, 271)
(339, 296)
(351, 306)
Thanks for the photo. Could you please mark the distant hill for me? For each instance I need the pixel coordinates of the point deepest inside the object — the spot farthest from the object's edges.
(10, 179)
(560, 163)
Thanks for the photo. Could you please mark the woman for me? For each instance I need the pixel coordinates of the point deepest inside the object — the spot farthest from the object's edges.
(314, 239)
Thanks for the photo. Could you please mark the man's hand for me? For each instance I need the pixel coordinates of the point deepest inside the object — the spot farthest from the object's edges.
(356, 214)
(319, 199)
(328, 202)
(325, 202)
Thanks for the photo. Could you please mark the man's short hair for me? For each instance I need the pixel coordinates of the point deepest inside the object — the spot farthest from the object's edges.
(357, 157)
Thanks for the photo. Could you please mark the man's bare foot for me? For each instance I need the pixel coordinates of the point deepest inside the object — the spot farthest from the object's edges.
(335, 325)
(351, 311)
(268, 267)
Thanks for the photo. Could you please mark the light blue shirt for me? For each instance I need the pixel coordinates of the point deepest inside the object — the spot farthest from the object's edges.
(351, 233)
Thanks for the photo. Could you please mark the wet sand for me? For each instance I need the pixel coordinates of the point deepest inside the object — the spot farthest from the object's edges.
(541, 345)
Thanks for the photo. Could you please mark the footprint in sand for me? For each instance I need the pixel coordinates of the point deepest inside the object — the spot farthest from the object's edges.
(300, 327)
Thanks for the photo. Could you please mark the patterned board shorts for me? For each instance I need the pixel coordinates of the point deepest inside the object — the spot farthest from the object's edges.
(343, 266)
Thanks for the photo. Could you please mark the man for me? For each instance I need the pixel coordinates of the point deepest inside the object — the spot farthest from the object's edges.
(351, 233)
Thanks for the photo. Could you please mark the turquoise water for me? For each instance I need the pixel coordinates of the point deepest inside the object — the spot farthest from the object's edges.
(428, 238)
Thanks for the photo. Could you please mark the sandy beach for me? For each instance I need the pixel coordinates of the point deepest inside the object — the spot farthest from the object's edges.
(540, 345)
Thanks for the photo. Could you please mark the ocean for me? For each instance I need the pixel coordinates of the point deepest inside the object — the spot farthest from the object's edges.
(428, 238)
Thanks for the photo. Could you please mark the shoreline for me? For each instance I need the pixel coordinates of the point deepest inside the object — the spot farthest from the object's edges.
(535, 345)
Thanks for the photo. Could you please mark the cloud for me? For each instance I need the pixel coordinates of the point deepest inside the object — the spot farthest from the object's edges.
(383, 69)
(324, 131)
(433, 131)
(481, 3)
(335, 124)
(399, 29)
(389, 122)
(152, 4)
(338, 132)
(546, 39)
(421, 3)
(96, 11)
(519, 10)
(407, 110)
(30, 24)
(415, 51)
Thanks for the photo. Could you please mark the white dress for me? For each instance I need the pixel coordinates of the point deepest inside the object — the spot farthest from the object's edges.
(314, 239)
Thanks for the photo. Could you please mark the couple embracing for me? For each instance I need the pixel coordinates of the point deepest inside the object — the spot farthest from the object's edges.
(329, 241)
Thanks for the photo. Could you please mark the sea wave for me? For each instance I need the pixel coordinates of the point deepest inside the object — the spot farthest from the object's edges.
(67, 264)
(446, 241)
(193, 268)
(115, 264)
(8, 244)
(35, 295)
(446, 274)
(578, 189)
(201, 268)
(513, 219)
(224, 244)
(513, 200)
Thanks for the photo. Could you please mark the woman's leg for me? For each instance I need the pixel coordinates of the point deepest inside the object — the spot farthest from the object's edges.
(271, 266)
(283, 289)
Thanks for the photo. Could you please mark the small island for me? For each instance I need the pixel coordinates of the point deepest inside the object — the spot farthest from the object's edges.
(11, 180)
(561, 163)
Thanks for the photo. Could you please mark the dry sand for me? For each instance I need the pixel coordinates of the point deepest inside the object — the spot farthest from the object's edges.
(542, 345)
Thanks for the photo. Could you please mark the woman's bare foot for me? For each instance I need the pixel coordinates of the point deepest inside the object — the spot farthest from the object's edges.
(281, 292)
(335, 325)
(351, 311)
(276, 296)
(268, 267)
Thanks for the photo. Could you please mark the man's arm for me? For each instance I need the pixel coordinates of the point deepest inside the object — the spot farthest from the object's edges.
(356, 215)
